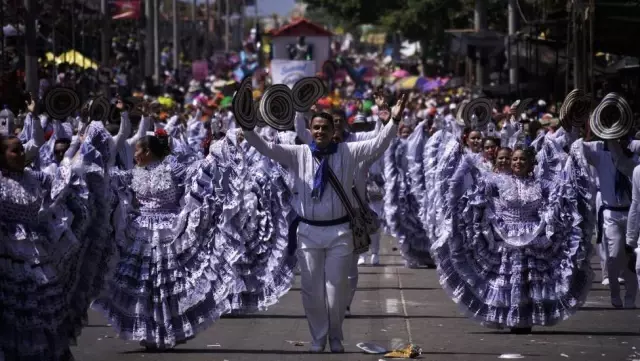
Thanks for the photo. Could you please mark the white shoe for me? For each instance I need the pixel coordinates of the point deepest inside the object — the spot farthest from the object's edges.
(605, 282)
(361, 260)
(375, 260)
(336, 346)
(621, 280)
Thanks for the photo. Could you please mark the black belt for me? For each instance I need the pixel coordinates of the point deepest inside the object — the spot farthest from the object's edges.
(292, 245)
(601, 218)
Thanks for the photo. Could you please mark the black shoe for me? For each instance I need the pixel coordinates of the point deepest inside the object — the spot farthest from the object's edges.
(521, 330)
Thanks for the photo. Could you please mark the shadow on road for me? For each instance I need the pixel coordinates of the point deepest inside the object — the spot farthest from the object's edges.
(389, 288)
(230, 351)
(565, 333)
(386, 316)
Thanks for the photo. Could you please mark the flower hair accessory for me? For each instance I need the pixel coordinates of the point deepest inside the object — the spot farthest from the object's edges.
(161, 133)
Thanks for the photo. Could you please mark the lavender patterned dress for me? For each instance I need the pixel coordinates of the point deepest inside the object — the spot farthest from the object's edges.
(512, 252)
(175, 267)
(54, 253)
(401, 207)
(261, 220)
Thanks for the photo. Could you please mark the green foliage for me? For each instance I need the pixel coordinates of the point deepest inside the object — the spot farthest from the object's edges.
(354, 12)
(414, 19)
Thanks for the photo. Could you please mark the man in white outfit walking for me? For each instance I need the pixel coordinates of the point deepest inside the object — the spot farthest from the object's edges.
(324, 238)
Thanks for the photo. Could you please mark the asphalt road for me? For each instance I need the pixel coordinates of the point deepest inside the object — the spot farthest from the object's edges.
(393, 305)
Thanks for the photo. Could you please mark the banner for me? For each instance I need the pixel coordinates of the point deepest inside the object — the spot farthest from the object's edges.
(125, 9)
(290, 71)
(200, 70)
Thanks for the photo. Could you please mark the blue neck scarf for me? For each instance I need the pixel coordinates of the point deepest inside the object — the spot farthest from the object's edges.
(322, 174)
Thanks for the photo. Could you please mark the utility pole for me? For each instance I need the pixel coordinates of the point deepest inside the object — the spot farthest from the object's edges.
(480, 26)
(194, 34)
(226, 26)
(156, 41)
(31, 58)
(176, 59)
(576, 17)
(105, 42)
(513, 30)
(149, 35)
(207, 33)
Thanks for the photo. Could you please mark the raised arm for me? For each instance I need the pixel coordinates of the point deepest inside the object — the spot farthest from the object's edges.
(125, 127)
(120, 138)
(634, 146)
(284, 154)
(36, 138)
(361, 151)
(364, 150)
(145, 123)
(591, 150)
(301, 128)
(633, 221)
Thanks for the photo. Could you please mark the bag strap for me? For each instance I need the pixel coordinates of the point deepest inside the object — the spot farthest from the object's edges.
(339, 190)
(358, 198)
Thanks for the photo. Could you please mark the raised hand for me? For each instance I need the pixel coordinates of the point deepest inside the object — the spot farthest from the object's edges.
(398, 109)
(31, 104)
(378, 97)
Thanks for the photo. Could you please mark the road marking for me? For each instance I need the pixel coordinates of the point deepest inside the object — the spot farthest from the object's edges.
(404, 306)
(391, 305)
(389, 273)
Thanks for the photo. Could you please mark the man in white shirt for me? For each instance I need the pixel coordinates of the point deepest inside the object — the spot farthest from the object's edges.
(613, 167)
(325, 241)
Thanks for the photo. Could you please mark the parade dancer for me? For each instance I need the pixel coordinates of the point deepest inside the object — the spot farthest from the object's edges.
(324, 236)
(613, 168)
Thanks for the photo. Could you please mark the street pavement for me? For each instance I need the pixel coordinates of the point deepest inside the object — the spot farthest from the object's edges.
(393, 305)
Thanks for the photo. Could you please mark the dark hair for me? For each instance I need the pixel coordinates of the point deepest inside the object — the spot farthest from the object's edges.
(157, 145)
(534, 126)
(112, 128)
(466, 131)
(494, 140)
(323, 115)
(3, 146)
(529, 152)
(65, 141)
(504, 149)
(339, 113)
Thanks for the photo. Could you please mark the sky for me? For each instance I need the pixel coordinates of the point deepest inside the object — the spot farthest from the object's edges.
(267, 7)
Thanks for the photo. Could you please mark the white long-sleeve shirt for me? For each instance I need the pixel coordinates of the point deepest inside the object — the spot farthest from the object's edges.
(633, 221)
(362, 172)
(299, 160)
(606, 164)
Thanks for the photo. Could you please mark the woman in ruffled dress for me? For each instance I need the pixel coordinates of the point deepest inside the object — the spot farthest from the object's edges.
(175, 267)
(401, 202)
(514, 248)
(263, 212)
(52, 264)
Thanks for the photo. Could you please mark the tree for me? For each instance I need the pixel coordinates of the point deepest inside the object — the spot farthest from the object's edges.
(355, 12)
(424, 21)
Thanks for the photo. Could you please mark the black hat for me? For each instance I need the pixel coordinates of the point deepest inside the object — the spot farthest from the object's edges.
(100, 109)
(61, 102)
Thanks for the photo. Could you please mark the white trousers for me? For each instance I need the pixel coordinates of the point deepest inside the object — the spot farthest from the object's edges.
(325, 255)
(600, 247)
(353, 270)
(614, 229)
